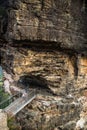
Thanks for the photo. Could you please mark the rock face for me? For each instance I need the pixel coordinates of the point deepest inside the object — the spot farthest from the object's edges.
(48, 113)
(62, 72)
(3, 121)
(60, 22)
(48, 43)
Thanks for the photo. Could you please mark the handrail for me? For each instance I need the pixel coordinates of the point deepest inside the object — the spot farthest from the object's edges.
(20, 102)
(8, 100)
(29, 96)
(11, 99)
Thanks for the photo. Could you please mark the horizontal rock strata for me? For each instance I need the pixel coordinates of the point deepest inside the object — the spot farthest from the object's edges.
(44, 45)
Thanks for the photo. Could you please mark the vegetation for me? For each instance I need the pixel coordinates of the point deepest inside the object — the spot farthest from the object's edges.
(12, 124)
(3, 95)
(3, 98)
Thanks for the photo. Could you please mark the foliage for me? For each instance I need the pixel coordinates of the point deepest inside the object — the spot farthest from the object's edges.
(12, 124)
(3, 96)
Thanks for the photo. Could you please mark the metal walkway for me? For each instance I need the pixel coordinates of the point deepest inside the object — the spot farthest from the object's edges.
(20, 103)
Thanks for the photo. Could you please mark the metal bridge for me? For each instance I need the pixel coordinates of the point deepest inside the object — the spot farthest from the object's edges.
(17, 102)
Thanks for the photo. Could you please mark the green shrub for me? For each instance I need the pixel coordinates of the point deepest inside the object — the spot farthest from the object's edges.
(3, 97)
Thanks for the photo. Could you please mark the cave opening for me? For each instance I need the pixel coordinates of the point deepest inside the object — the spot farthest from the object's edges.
(37, 82)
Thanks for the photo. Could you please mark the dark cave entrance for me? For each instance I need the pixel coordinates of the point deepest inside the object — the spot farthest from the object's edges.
(37, 82)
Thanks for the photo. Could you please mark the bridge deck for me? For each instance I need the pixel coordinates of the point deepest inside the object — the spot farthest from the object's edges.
(19, 104)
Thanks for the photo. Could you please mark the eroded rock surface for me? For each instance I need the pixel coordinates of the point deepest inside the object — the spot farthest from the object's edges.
(60, 22)
(63, 74)
(48, 49)
(3, 121)
(47, 112)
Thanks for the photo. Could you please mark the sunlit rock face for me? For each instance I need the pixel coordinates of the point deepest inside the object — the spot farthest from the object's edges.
(49, 46)
(53, 35)
(62, 71)
(60, 22)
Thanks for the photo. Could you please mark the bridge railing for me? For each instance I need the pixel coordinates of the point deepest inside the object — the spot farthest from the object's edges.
(9, 100)
(20, 103)
(17, 101)
(30, 95)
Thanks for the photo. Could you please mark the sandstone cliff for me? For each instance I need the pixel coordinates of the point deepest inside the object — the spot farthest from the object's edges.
(61, 22)
(50, 34)
(45, 45)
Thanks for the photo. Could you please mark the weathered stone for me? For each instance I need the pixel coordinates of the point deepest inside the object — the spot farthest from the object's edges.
(49, 51)
(56, 115)
(60, 22)
(3, 121)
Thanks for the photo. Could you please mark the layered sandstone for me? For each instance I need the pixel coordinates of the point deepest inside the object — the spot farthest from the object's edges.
(60, 22)
(47, 49)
